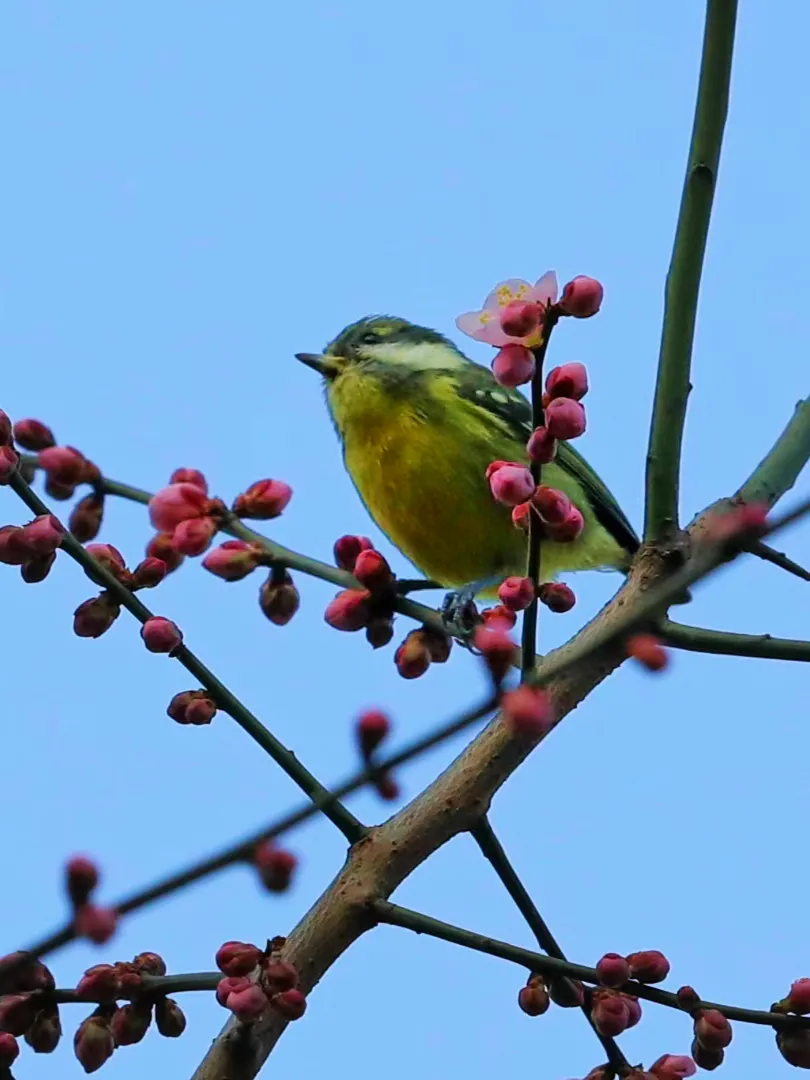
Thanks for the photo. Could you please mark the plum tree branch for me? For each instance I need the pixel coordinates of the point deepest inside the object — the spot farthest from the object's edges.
(726, 643)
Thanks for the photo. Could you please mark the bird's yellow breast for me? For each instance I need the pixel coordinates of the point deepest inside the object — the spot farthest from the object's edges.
(419, 462)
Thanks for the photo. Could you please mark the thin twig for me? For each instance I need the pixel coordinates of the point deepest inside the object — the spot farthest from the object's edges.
(778, 558)
(725, 643)
(683, 279)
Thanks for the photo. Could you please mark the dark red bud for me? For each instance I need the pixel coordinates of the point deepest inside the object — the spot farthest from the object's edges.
(169, 1018)
(86, 517)
(44, 1034)
(533, 998)
(130, 1023)
(290, 1003)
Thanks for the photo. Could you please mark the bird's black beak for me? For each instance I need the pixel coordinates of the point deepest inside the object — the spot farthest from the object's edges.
(328, 366)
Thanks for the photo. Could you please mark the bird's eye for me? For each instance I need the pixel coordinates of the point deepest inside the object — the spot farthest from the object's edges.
(369, 338)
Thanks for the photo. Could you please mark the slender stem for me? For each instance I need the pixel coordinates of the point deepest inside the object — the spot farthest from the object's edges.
(683, 279)
(243, 849)
(780, 468)
(725, 643)
(529, 627)
(492, 850)
(395, 915)
(778, 558)
(348, 824)
(151, 986)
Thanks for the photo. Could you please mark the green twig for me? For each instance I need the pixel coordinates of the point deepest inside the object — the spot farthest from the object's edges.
(492, 850)
(780, 468)
(683, 278)
(348, 824)
(778, 558)
(725, 643)
(395, 915)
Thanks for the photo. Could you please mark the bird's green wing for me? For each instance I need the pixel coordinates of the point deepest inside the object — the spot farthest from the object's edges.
(476, 384)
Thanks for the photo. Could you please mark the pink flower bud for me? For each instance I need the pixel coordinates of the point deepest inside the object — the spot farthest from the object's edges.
(81, 877)
(238, 957)
(194, 535)
(712, 1030)
(247, 1005)
(93, 1043)
(233, 560)
(372, 727)
(582, 297)
(565, 418)
(9, 460)
(278, 975)
(176, 503)
(798, 1000)
(231, 985)
(552, 505)
(499, 618)
(495, 465)
(169, 1018)
(688, 998)
(387, 787)
(567, 530)
(513, 365)
(516, 593)
(565, 992)
(520, 516)
(533, 998)
(648, 966)
(57, 490)
(497, 649)
(704, 1058)
(347, 548)
(189, 476)
(349, 610)
(8, 1050)
(794, 1046)
(43, 535)
(192, 707)
(161, 635)
(44, 1034)
(437, 643)
(33, 435)
(372, 570)
(13, 551)
(5, 428)
(673, 1067)
(379, 631)
(95, 923)
(109, 557)
(17, 1012)
(149, 963)
(412, 658)
(613, 970)
(542, 446)
(161, 547)
(527, 712)
(633, 1009)
(511, 484)
(275, 866)
(279, 598)
(85, 518)
(148, 573)
(557, 596)
(567, 381)
(21, 971)
(648, 651)
(263, 500)
(520, 318)
(609, 1013)
(95, 617)
(291, 1004)
(130, 978)
(38, 568)
(62, 464)
(130, 1023)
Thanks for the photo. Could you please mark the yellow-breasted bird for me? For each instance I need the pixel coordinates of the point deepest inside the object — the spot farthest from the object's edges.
(420, 423)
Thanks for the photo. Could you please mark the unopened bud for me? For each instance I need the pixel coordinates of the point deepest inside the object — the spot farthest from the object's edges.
(291, 1004)
(794, 1046)
(13, 551)
(17, 1012)
(9, 460)
(249, 1004)
(613, 970)
(648, 651)
(705, 1058)
(93, 1043)
(499, 618)
(568, 380)
(798, 999)
(161, 635)
(130, 1023)
(565, 992)
(275, 866)
(9, 1049)
(189, 476)
(347, 548)
(99, 983)
(37, 569)
(497, 649)
(582, 297)
(279, 599)
(349, 610)
(516, 593)
(43, 535)
(372, 727)
(648, 966)
(94, 617)
(95, 923)
(609, 1013)
(511, 484)
(557, 596)
(372, 570)
(233, 560)
(673, 1067)
(176, 503)
(513, 365)
(231, 985)
(86, 517)
(148, 573)
(192, 707)
(33, 435)
(379, 631)
(81, 877)
(161, 547)
(263, 500)
(149, 963)
(169, 1018)
(238, 957)
(412, 657)
(533, 998)
(542, 446)
(712, 1030)
(194, 535)
(278, 975)
(44, 1034)
(63, 464)
(527, 712)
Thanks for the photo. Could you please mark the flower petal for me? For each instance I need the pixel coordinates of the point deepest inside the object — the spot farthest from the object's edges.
(507, 291)
(545, 288)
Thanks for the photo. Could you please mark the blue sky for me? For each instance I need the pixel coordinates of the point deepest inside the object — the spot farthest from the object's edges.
(196, 191)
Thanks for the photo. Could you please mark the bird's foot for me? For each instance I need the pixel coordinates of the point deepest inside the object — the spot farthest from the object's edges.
(459, 613)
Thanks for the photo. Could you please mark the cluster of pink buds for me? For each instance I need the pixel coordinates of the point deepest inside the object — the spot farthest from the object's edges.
(195, 707)
(794, 1043)
(65, 467)
(95, 616)
(32, 547)
(275, 866)
(25, 1010)
(89, 920)
(372, 728)
(112, 1025)
(712, 1034)
(540, 991)
(370, 608)
(517, 317)
(185, 517)
(513, 485)
(256, 980)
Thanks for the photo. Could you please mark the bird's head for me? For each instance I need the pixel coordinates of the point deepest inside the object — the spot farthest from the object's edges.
(384, 346)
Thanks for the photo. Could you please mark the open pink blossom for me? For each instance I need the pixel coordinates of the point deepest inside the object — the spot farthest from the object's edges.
(485, 325)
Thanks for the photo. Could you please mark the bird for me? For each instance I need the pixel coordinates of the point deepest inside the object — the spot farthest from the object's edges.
(419, 422)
